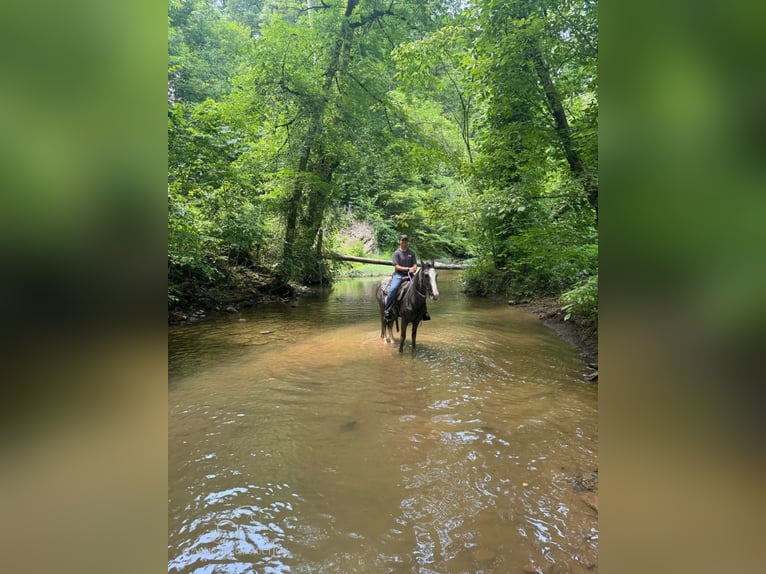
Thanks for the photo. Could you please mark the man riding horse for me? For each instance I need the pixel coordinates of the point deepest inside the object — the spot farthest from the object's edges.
(405, 265)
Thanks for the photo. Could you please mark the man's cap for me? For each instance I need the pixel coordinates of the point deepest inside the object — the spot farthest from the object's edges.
(403, 238)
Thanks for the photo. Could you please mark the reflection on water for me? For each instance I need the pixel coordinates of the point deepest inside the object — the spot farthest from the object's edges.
(299, 442)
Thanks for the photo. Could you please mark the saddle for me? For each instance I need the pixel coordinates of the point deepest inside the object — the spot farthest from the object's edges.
(403, 287)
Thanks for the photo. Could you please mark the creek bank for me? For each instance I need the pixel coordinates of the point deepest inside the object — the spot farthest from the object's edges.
(242, 288)
(549, 311)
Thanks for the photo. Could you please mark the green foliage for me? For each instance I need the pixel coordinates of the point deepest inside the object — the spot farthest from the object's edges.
(424, 212)
(205, 50)
(202, 144)
(246, 12)
(356, 248)
(483, 278)
(523, 45)
(237, 221)
(430, 118)
(534, 225)
(581, 304)
(548, 260)
(439, 66)
(215, 216)
(541, 244)
(191, 244)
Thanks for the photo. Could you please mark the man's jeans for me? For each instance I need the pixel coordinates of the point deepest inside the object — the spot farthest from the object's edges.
(396, 280)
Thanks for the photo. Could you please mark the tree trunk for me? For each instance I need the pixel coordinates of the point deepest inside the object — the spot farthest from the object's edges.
(388, 262)
(304, 181)
(576, 165)
(296, 200)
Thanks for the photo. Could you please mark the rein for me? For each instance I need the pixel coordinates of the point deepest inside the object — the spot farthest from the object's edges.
(414, 285)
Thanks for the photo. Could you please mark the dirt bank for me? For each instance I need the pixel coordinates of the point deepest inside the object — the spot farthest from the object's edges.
(242, 288)
(548, 310)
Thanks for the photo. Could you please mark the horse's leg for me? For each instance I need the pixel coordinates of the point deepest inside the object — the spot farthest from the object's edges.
(382, 325)
(414, 334)
(404, 335)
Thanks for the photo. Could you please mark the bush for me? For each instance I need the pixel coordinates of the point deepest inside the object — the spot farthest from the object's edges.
(550, 260)
(237, 223)
(581, 304)
(191, 244)
(483, 279)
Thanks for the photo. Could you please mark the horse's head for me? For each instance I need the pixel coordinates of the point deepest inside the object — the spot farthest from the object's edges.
(429, 280)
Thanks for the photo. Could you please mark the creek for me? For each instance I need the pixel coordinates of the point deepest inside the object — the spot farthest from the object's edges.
(300, 442)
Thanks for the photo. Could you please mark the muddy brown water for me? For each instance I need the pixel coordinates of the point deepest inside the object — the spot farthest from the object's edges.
(299, 442)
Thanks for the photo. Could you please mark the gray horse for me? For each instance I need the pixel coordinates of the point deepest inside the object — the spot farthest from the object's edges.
(410, 303)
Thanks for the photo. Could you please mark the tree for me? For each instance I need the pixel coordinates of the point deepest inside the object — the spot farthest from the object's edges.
(205, 51)
(328, 72)
(469, 125)
(439, 65)
(536, 173)
(536, 57)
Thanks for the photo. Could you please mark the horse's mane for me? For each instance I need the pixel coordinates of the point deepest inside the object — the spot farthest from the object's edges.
(418, 280)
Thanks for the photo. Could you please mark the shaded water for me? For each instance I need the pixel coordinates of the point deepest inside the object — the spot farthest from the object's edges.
(299, 442)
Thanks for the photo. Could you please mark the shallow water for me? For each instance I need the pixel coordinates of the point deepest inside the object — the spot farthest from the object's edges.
(299, 442)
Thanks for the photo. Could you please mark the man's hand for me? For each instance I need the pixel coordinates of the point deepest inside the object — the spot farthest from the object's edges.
(413, 269)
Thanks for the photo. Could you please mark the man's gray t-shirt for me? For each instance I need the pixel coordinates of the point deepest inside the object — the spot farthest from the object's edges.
(404, 258)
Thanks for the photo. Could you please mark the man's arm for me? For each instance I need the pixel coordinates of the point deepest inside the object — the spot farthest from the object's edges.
(414, 263)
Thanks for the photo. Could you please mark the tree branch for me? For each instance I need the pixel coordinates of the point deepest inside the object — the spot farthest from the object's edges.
(386, 262)
(289, 123)
(312, 7)
(372, 17)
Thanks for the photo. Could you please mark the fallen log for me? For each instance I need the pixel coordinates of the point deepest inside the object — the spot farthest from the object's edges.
(387, 261)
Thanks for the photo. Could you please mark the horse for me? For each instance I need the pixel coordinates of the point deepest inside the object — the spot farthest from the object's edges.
(410, 303)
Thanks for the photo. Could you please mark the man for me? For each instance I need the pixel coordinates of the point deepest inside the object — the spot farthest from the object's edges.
(405, 264)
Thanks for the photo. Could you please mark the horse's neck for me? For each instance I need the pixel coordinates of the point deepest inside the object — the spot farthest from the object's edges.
(416, 285)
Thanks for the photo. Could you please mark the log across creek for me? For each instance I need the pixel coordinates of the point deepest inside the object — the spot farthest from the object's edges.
(388, 262)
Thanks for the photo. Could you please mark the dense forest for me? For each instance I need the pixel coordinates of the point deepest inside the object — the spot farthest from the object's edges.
(471, 125)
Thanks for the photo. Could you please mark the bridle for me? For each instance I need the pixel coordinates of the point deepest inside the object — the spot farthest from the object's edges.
(415, 285)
